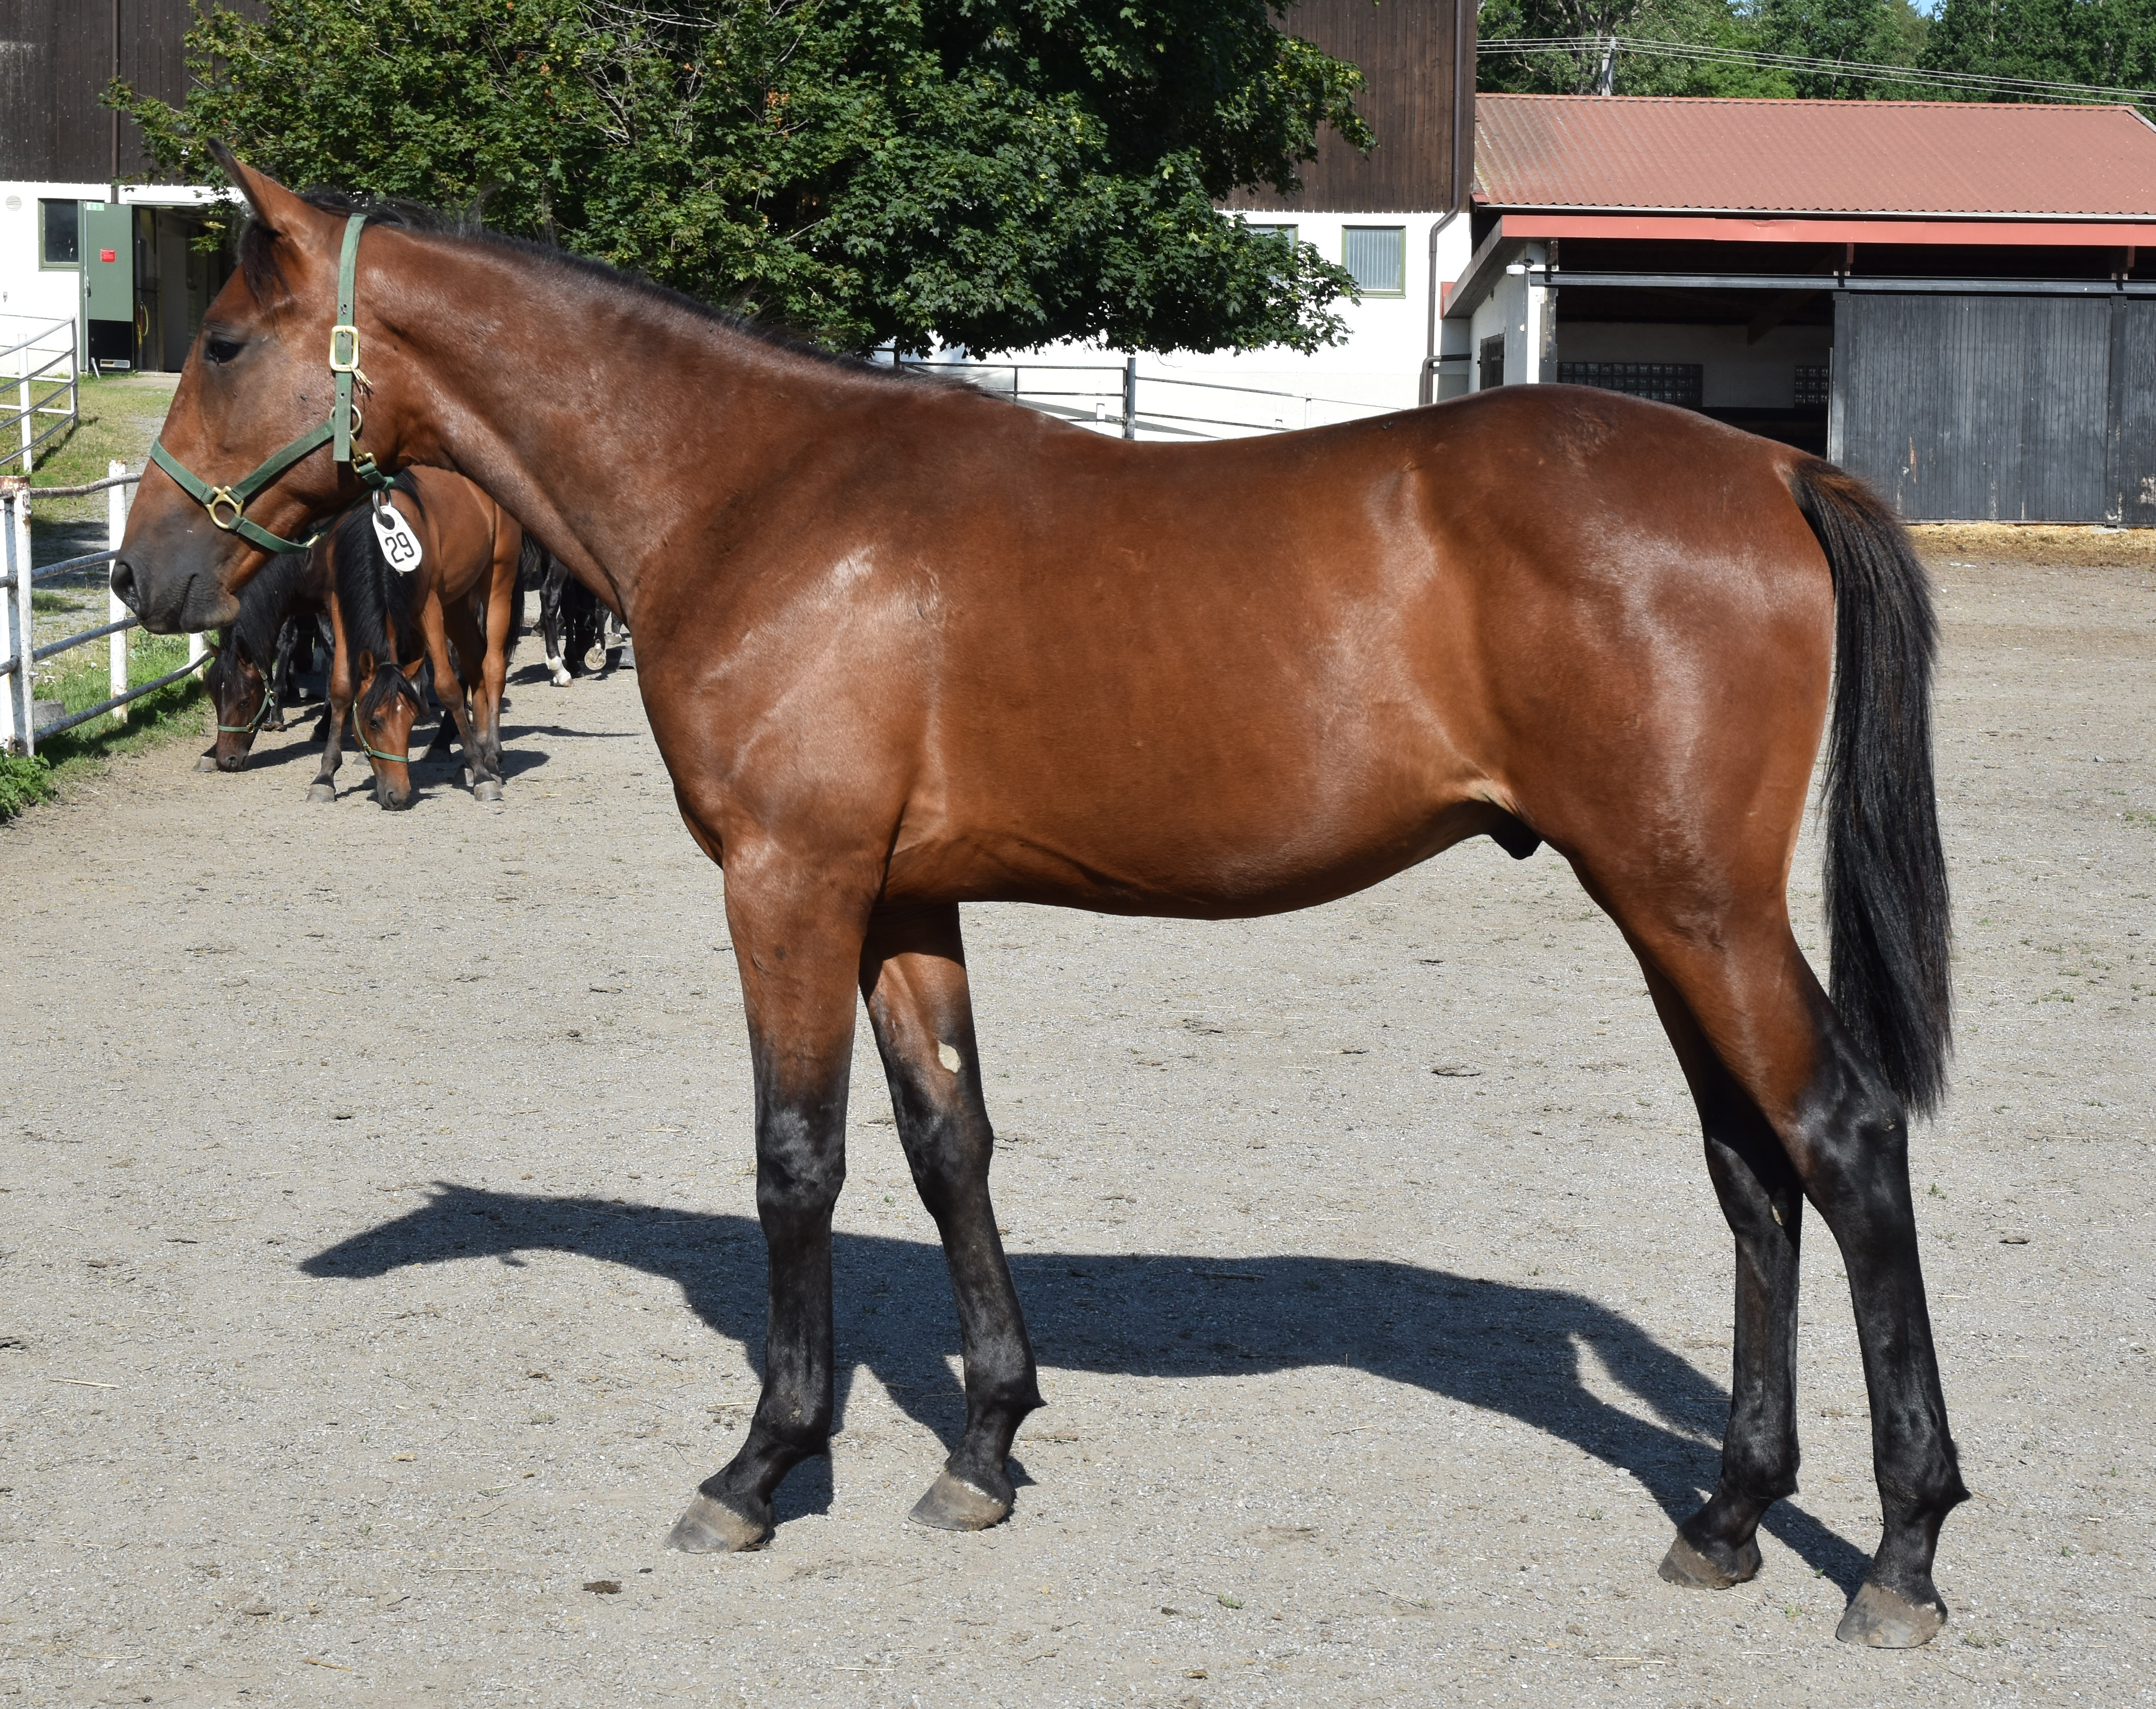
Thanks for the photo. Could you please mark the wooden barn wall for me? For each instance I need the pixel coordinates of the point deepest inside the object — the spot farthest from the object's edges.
(1418, 60)
(2001, 408)
(55, 61)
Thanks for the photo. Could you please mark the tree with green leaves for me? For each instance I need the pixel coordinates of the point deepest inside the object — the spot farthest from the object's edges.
(1877, 31)
(1862, 31)
(2109, 43)
(1578, 71)
(990, 174)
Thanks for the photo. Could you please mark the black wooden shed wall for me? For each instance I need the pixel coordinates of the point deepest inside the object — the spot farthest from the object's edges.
(55, 61)
(1417, 57)
(2005, 409)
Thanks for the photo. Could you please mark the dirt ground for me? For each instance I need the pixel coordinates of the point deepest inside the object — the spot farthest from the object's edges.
(378, 1271)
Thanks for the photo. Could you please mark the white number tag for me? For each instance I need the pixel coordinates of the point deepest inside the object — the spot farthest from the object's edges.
(399, 544)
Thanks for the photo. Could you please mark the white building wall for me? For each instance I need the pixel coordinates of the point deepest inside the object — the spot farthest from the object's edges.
(46, 292)
(1377, 366)
(28, 289)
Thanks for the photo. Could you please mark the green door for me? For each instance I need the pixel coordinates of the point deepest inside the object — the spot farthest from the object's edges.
(108, 282)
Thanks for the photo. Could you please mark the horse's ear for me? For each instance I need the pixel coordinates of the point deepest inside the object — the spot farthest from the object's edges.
(277, 208)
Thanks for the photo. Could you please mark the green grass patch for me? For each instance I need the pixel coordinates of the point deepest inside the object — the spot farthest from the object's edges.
(121, 415)
(174, 713)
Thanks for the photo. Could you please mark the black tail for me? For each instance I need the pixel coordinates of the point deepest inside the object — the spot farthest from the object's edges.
(1886, 899)
(378, 604)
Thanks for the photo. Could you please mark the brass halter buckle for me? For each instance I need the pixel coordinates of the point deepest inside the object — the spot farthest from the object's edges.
(344, 349)
(222, 495)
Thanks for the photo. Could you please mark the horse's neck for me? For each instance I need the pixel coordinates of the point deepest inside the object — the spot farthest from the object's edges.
(604, 452)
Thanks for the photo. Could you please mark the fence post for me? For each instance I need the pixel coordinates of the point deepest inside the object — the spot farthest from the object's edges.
(23, 368)
(19, 715)
(1130, 397)
(116, 529)
(7, 622)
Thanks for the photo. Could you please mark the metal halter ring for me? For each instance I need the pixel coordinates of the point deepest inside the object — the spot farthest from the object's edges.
(222, 495)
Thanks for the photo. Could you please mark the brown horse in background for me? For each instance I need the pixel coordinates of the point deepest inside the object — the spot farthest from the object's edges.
(904, 647)
(462, 593)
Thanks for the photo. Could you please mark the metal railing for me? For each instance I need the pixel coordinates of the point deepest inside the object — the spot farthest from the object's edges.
(1120, 407)
(20, 728)
(53, 341)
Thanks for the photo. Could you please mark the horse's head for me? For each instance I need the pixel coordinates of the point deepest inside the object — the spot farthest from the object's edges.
(240, 690)
(385, 706)
(259, 380)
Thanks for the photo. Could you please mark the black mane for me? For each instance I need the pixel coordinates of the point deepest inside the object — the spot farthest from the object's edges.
(375, 601)
(265, 604)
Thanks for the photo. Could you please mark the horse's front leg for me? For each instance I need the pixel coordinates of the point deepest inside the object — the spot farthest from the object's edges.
(913, 974)
(437, 621)
(500, 628)
(324, 788)
(797, 936)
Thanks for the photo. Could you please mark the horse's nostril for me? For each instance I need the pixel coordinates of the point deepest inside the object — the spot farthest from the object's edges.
(123, 586)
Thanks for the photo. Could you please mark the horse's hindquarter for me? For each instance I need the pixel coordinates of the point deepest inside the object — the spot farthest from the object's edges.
(1216, 680)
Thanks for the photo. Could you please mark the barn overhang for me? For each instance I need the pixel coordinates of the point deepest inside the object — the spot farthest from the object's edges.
(2019, 253)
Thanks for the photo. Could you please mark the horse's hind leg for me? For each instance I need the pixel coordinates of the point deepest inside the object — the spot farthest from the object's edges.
(1764, 1203)
(551, 592)
(1758, 1009)
(913, 974)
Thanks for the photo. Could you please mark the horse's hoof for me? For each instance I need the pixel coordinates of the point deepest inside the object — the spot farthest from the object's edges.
(208, 763)
(486, 789)
(323, 792)
(1884, 1621)
(560, 679)
(1689, 1566)
(952, 1504)
(709, 1527)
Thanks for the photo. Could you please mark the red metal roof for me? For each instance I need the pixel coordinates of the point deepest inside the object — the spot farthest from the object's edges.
(1654, 153)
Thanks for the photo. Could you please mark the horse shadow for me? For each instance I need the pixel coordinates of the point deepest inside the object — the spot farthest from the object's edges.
(1519, 1351)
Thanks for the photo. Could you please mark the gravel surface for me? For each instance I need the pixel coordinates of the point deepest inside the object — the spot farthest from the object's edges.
(378, 1269)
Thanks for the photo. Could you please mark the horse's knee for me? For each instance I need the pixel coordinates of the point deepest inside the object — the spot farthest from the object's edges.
(799, 1173)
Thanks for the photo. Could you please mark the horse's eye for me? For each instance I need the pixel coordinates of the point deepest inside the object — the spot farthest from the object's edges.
(221, 350)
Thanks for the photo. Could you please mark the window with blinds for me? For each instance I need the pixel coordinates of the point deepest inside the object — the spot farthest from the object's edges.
(1377, 255)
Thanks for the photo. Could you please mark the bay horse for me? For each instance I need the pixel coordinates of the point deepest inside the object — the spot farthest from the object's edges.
(464, 593)
(903, 646)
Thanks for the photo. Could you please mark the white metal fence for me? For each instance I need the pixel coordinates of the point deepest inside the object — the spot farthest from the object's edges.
(1120, 399)
(32, 352)
(21, 725)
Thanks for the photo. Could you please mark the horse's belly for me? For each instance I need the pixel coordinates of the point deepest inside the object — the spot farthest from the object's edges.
(1213, 854)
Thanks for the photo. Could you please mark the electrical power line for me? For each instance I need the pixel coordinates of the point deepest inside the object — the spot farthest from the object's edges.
(1860, 70)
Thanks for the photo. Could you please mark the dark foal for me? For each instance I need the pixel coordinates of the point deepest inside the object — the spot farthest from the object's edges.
(249, 681)
(903, 646)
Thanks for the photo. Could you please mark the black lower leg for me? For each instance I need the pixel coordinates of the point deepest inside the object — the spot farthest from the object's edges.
(1761, 1199)
(1857, 1172)
(914, 976)
(800, 1167)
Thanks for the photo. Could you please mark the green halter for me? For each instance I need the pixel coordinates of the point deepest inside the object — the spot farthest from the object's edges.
(338, 431)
